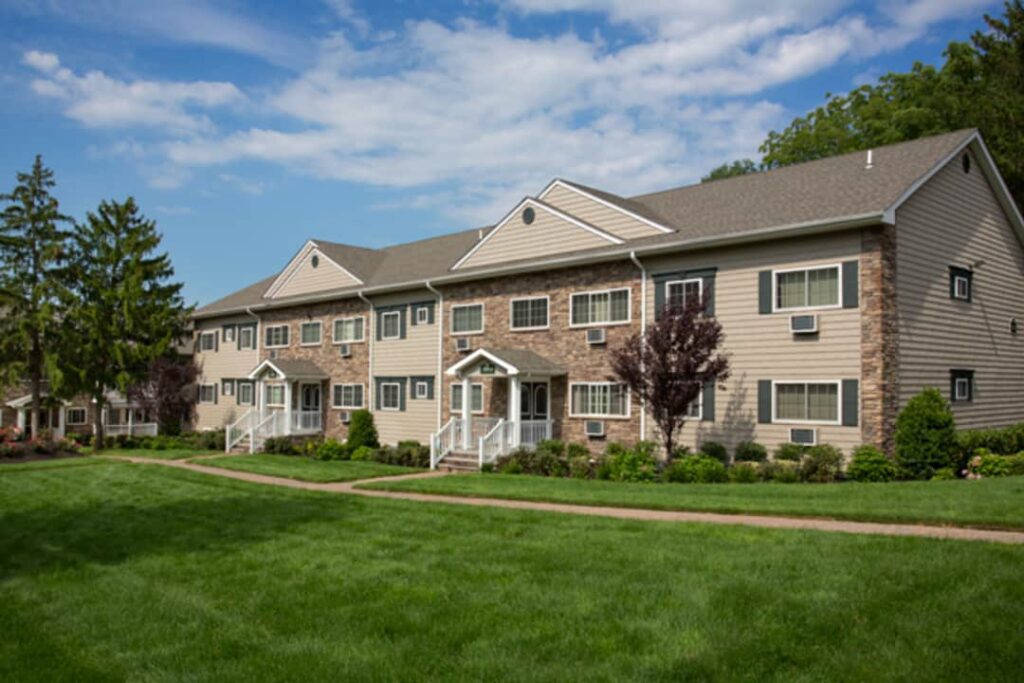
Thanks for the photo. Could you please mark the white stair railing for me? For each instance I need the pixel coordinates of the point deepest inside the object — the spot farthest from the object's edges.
(239, 430)
(443, 441)
(495, 443)
(270, 426)
(307, 421)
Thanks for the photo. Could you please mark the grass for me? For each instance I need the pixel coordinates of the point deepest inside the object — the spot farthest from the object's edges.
(122, 571)
(306, 469)
(986, 503)
(167, 454)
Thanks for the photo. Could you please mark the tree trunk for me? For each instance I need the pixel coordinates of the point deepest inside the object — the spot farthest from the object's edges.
(98, 437)
(669, 444)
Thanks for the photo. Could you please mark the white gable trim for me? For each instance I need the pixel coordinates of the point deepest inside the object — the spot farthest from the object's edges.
(543, 206)
(558, 182)
(289, 272)
(472, 358)
(265, 365)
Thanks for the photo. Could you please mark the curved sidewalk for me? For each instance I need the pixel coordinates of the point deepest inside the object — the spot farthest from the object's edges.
(763, 521)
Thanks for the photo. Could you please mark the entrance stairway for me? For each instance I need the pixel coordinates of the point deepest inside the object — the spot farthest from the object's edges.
(460, 462)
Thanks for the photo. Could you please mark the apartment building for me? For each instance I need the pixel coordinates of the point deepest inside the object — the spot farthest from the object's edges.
(844, 286)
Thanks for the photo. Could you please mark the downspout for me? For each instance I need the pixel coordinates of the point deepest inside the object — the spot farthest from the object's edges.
(643, 335)
(440, 352)
(369, 342)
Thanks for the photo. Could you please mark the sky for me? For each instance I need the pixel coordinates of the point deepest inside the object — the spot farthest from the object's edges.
(245, 128)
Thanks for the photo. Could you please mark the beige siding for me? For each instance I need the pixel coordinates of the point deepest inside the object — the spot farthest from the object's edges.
(307, 279)
(227, 362)
(597, 214)
(548, 234)
(761, 346)
(955, 219)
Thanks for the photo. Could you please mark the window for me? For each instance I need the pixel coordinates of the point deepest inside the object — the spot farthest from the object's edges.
(422, 315)
(391, 325)
(695, 411)
(960, 283)
(807, 402)
(962, 386)
(348, 396)
(678, 292)
(247, 337)
(599, 308)
(529, 314)
(422, 390)
(468, 319)
(309, 333)
(229, 333)
(390, 396)
(76, 416)
(227, 387)
(476, 399)
(275, 395)
(208, 341)
(275, 336)
(245, 393)
(348, 330)
(207, 393)
(599, 399)
(807, 288)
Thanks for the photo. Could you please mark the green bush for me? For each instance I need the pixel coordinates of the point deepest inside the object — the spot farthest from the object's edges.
(986, 464)
(681, 452)
(744, 472)
(636, 464)
(944, 474)
(925, 436)
(332, 449)
(715, 450)
(780, 471)
(821, 464)
(280, 445)
(695, 469)
(582, 467)
(791, 452)
(1004, 441)
(870, 464)
(362, 431)
(408, 454)
(751, 451)
(576, 450)
(364, 453)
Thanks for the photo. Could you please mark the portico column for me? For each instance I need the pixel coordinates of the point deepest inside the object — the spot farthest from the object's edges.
(131, 420)
(515, 408)
(287, 407)
(61, 416)
(467, 414)
(21, 420)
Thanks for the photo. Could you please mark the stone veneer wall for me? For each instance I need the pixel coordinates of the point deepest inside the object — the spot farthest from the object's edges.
(560, 343)
(879, 346)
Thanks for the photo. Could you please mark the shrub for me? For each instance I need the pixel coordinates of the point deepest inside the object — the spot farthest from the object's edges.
(411, 454)
(925, 435)
(520, 461)
(780, 471)
(364, 453)
(986, 464)
(681, 452)
(744, 472)
(332, 449)
(581, 467)
(870, 464)
(944, 474)
(549, 459)
(751, 451)
(821, 464)
(576, 450)
(715, 450)
(636, 464)
(791, 452)
(695, 469)
(1005, 441)
(362, 431)
(280, 445)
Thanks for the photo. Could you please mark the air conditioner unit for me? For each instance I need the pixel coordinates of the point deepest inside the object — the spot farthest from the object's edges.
(803, 324)
(345, 416)
(804, 436)
(596, 337)
(462, 344)
(345, 350)
(594, 429)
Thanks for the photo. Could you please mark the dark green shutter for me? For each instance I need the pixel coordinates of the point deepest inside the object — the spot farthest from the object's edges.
(708, 285)
(851, 285)
(216, 340)
(376, 392)
(764, 401)
(851, 402)
(708, 409)
(403, 391)
(660, 285)
(377, 326)
(216, 390)
(764, 292)
(402, 317)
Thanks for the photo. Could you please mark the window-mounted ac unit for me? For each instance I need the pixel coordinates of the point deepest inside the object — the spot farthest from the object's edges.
(346, 416)
(462, 344)
(345, 350)
(596, 337)
(803, 324)
(594, 428)
(804, 436)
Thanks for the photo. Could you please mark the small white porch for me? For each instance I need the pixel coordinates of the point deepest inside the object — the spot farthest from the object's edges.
(290, 397)
(527, 416)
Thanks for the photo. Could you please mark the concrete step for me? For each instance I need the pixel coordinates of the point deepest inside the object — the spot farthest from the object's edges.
(460, 462)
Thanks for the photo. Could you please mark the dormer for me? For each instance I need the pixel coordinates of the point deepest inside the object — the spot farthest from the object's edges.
(311, 270)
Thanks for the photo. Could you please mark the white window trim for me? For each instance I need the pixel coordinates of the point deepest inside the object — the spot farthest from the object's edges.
(227, 387)
(966, 396)
(204, 386)
(77, 423)
(629, 307)
(700, 407)
(266, 392)
(458, 411)
(320, 333)
(398, 394)
(252, 337)
(698, 280)
(425, 312)
(511, 318)
(595, 416)
(204, 335)
(483, 319)
(276, 346)
(238, 393)
(775, 288)
(839, 402)
(426, 390)
(233, 329)
(384, 327)
(362, 394)
(966, 296)
(361, 340)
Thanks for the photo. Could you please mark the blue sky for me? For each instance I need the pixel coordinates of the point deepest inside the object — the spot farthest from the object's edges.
(245, 128)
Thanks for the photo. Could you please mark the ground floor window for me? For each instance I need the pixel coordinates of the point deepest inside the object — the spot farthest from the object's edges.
(275, 394)
(476, 398)
(207, 393)
(76, 416)
(390, 396)
(599, 399)
(695, 410)
(245, 393)
(348, 396)
(807, 402)
(961, 386)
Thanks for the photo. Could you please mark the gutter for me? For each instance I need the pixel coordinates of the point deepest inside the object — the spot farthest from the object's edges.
(440, 352)
(643, 335)
(369, 346)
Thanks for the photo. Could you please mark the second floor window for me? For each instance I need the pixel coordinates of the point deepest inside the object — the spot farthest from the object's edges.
(246, 337)
(275, 335)
(310, 333)
(680, 292)
(391, 325)
(468, 319)
(530, 314)
(348, 330)
(960, 283)
(600, 308)
(807, 288)
(599, 399)
(208, 341)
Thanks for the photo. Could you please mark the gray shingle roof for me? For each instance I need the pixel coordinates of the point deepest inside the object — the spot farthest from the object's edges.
(528, 362)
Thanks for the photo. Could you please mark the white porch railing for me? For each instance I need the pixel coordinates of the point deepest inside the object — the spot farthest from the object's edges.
(240, 429)
(444, 441)
(306, 421)
(140, 429)
(532, 432)
(271, 425)
(491, 437)
(496, 442)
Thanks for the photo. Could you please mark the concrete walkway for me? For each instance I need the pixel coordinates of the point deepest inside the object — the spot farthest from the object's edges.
(763, 521)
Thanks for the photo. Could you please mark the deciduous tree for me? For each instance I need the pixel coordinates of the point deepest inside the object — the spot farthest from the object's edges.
(168, 392)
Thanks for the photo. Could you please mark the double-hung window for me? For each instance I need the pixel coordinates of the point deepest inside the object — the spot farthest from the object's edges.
(529, 314)
(76, 416)
(208, 341)
(468, 319)
(309, 333)
(229, 333)
(810, 402)
(390, 396)
(246, 337)
(476, 398)
(244, 393)
(348, 330)
(599, 399)
(807, 288)
(207, 393)
(275, 336)
(679, 293)
(227, 387)
(391, 325)
(606, 307)
(348, 396)
(275, 395)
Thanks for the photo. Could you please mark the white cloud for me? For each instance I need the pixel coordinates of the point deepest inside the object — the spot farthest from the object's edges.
(253, 187)
(174, 210)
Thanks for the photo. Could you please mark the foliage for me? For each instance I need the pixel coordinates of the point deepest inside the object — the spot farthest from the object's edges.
(332, 449)
(780, 471)
(667, 367)
(362, 431)
(407, 454)
(46, 445)
(986, 464)
(582, 467)
(547, 459)
(944, 474)
(695, 469)
(1004, 441)
(635, 464)
(731, 170)
(716, 450)
(364, 453)
(751, 451)
(279, 445)
(168, 392)
(744, 472)
(822, 463)
(791, 452)
(870, 464)
(925, 435)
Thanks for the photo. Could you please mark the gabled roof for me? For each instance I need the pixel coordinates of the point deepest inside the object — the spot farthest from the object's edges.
(627, 206)
(289, 368)
(512, 361)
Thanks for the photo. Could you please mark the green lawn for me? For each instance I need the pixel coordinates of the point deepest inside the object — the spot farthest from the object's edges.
(167, 454)
(137, 572)
(306, 469)
(987, 502)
